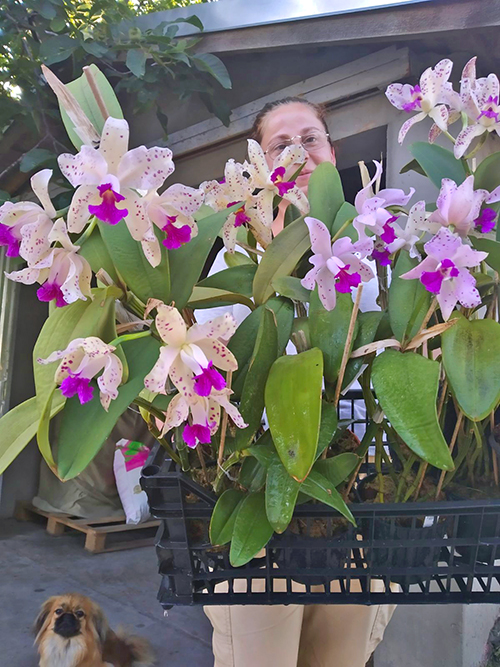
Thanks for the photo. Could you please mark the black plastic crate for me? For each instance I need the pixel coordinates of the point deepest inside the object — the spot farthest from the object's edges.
(413, 553)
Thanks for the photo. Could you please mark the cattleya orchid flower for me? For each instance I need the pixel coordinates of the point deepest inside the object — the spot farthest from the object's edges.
(107, 177)
(337, 267)
(234, 188)
(396, 237)
(482, 106)
(25, 226)
(205, 415)
(372, 209)
(190, 357)
(427, 97)
(172, 212)
(63, 274)
(444, 271)
(459, 207)
(276, 181)
(81, 361)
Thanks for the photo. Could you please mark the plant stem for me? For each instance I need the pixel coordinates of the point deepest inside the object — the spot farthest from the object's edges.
(86, 234)
(229, 378)
(343, 228)
(199, 451)
(248, 248)
(406, 469)
(123, 339)
(452, 446)
(347, 347)
(230, 461)
(493, 452)
(182, 449)
(166, 446)
(421, 472)
(361, 452)
(414, 484)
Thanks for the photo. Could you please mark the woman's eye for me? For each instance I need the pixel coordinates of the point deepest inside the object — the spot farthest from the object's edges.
(310, 141)
(79, 614)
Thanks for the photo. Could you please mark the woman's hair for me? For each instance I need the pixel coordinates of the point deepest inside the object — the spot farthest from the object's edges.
(257, 127)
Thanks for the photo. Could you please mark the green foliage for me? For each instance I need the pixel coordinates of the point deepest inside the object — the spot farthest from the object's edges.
(224, 516)
(406, 385)
(408, 299)
(471, 358)
(325, 193)
(438, 163)
(252, 531)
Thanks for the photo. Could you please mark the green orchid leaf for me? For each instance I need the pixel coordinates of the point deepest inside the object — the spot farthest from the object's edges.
(337, 468)
(18, 427)
(141, 278)
(252, 474)
(95, 252)
(471, 358)
(264, 354)
(187, 262)
(290, 287)
(208, 297)
(252, 531)
(404, 297)
(368, 325)
(76, 450)
(327, 427)
(80, 88)
(487, 174)
(320, 488)
(280, 258)
(243, 341)
(438, 163)
(328, 331)
(238, 279)
(293, 406)
(406, 385)
(281, 496)
(224, 516)
(236, 258)
(491, 247)
(346, 212)
(325, 193)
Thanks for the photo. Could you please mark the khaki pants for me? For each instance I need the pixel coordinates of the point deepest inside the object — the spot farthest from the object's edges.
(296, 635)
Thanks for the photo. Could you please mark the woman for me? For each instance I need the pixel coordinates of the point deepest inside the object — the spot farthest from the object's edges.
(313, 635)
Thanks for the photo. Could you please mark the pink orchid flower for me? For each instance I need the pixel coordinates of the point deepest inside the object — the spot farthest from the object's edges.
(372, 209)
(426, 98)
(444, 271)
(234, 188)
(276, 181)
(337, 267)
(64, 275)
(205, 415)
(406, 237)
(111, 175)
(190, 357)
(81, 361)
(172, 212)
(482, 106)
(459, 207)
(25, 226)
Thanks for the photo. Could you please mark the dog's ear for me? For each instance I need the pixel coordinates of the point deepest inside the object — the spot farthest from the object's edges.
(100, 623)
(42, 616)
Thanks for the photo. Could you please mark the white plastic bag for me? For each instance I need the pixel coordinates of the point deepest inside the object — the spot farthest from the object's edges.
(129, 460)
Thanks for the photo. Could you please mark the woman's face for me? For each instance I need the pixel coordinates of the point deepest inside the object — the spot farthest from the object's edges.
(291, 120)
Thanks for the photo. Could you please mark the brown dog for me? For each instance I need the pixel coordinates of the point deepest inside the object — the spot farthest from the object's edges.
(72, 631)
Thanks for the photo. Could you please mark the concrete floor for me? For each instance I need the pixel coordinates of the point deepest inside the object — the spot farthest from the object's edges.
(34, 566)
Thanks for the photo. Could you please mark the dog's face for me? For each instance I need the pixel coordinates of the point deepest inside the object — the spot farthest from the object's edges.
(69, 616)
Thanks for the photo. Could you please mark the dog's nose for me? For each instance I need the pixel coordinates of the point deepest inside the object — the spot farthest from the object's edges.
(67, 625)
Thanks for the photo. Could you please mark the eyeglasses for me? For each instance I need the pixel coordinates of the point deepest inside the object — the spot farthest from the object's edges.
(311, 142)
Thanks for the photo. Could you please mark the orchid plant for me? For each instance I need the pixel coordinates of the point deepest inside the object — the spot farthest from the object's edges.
(249, 406)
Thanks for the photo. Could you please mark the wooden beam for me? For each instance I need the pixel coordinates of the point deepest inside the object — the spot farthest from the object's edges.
(396, 23)
(372, 72)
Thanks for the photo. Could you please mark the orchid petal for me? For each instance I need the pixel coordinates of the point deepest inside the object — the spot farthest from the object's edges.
(156, 379)
(428, 265)
(326, 288)
(40, 186)
(88, 167)
(182, 377)
(440, 116)
(447, 299)
(171, 327)
(219, 354)
(221, 328)
(443, 245)
(78, 214)
(321, 242)
(145, 168)
(465, 289)
(152, 251)
(407, 125)
(114, 142)
(182, 198)
(264, 203)
(177, 412)
(465, 138)
(110, 379)
(258, 162)
(35, 239)
(222, 398)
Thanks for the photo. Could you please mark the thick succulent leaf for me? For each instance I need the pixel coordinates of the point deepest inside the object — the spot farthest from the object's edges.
(252, 531)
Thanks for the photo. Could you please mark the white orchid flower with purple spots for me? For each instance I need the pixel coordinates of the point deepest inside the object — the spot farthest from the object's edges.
(277, 180)
(337, 267)
(234, 188)
(172, 212)
(190, 357)
(444, 271)
(110, 176)
(428, 97)
(202, 414)
(482, 106)
(396, 237)
(64, 275)
(81, 361)
(25, 225)
(455, 101)
(372, 208)
(459, 207)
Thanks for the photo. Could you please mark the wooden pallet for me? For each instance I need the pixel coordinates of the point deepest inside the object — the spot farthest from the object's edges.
(98, 532)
